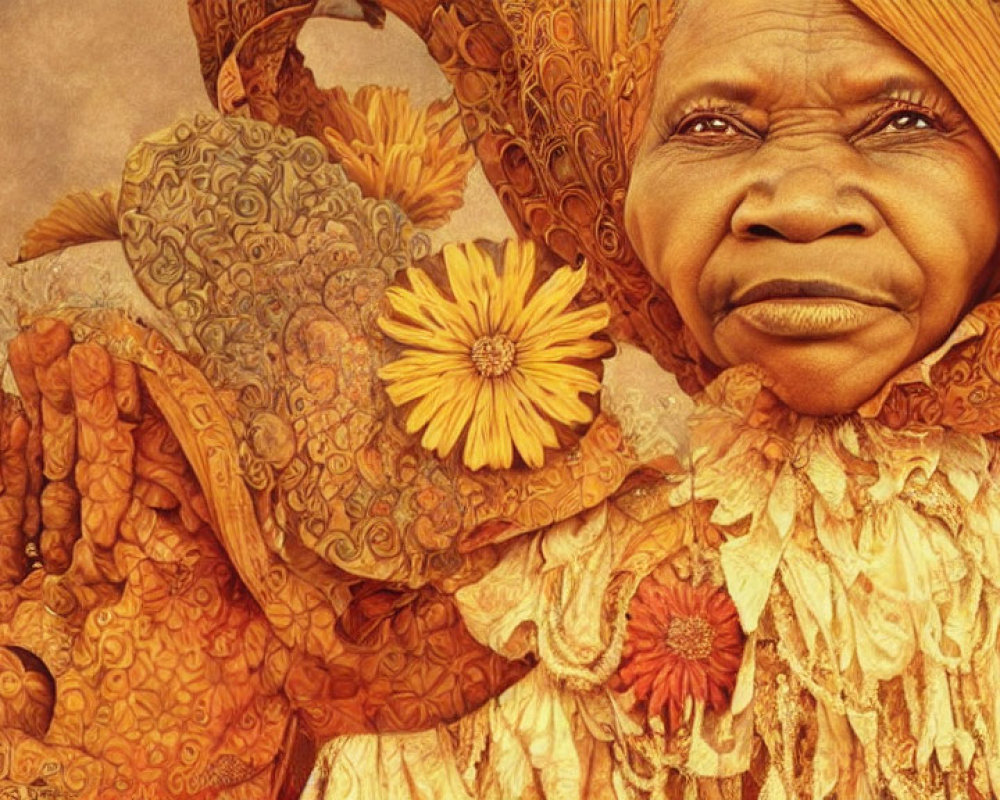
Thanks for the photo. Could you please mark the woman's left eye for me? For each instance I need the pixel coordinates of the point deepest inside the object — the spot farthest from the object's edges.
(908, 121)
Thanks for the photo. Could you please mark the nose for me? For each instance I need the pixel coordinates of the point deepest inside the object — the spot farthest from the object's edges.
(804, 203)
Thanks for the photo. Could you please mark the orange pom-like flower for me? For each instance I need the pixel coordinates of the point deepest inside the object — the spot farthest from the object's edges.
(684, 642)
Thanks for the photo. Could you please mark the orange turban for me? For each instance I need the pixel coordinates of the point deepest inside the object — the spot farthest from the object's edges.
(958, 40)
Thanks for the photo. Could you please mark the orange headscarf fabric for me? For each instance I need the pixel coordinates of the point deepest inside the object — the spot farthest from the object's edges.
(958, 40)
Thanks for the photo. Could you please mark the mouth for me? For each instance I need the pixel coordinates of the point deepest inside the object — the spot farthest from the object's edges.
(805, 291)
(808, 309)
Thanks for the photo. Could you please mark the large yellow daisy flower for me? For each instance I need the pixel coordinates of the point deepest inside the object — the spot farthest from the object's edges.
(492, 361)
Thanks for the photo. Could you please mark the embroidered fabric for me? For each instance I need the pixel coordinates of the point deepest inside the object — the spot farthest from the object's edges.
(867, 561)
(861, 560)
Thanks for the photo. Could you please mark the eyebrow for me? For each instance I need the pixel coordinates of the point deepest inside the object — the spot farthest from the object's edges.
(869, 87)
(857, 87)
(738, 91)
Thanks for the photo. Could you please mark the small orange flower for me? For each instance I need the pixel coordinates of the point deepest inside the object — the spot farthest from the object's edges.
(683, 642)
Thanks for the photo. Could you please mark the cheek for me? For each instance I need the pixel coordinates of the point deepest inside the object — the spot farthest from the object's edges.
(993, 270)
(944, 210)
(673, 229)
(989, 231)
(648, 224)
(974, 212)
(949, 221)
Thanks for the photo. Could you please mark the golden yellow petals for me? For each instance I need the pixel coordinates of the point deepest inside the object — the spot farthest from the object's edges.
(492, 364)
(418, 158)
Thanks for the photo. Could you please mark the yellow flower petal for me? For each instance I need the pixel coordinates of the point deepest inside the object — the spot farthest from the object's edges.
(568, 410)
(562, 377)
(568, 327)
(500, 445)
(518, 270)
(441, 342)
(557, 404)
(439, 307)
(406, 391)
(465, 276)
(550, 300)
(530, 433)
(408, 305)
(429, 404)
(480, 446)
(586, 350)
(529, 446)
(420, 363)
(446, 427)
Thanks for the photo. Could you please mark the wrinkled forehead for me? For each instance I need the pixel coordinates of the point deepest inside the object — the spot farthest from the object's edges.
(956, 42)
(721, 22)
(746, 45)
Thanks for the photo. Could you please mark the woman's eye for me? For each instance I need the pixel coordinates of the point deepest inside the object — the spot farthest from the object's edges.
(907, 121)
(710, 125)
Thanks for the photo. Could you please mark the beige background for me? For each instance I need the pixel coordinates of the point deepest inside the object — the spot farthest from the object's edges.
(83, 80)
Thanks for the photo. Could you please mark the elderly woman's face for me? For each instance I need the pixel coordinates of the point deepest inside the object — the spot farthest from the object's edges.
(811, 196)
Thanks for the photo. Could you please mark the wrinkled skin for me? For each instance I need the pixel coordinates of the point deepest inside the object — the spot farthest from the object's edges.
(811, 196)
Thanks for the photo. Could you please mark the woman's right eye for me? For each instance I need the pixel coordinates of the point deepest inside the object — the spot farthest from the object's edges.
(713, 125)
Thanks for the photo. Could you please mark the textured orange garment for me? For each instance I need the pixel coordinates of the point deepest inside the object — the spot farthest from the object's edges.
(553, 127)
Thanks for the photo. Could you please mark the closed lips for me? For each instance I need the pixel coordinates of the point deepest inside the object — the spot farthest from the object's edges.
(807, 289)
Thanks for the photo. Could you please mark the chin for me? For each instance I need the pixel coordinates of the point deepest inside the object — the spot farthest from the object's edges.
(826, 387)
(818, 401)
(821, 375)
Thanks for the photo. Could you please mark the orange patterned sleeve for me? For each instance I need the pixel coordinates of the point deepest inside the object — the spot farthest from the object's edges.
(132, 653)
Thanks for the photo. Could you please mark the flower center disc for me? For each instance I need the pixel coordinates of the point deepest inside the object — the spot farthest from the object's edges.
(493, 356)
(690, 637)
